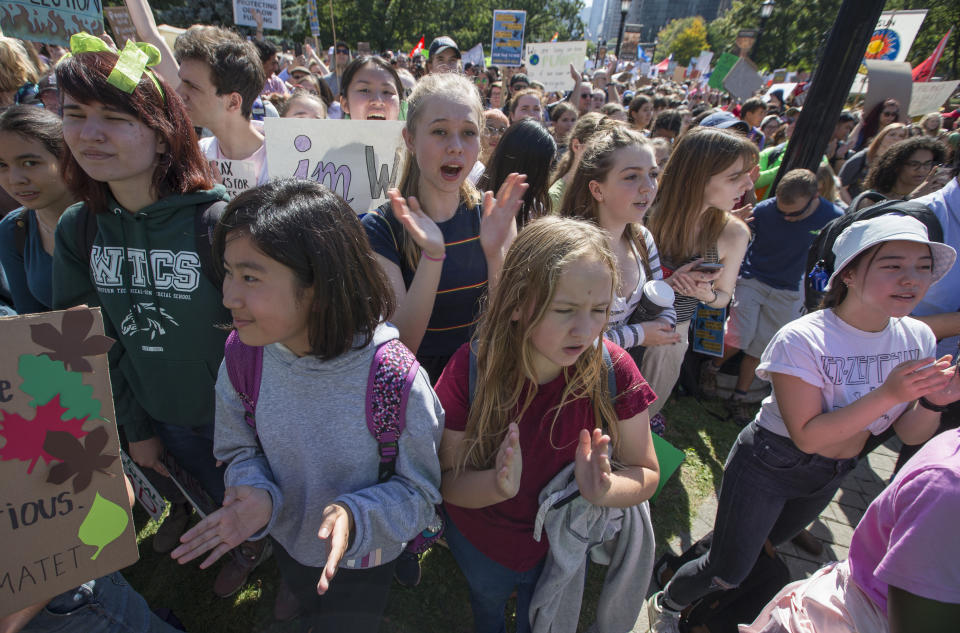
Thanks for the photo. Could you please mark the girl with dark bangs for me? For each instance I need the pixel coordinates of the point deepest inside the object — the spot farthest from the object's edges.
(131, 246)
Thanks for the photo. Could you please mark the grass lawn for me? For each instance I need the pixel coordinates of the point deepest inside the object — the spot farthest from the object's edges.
(441, 602)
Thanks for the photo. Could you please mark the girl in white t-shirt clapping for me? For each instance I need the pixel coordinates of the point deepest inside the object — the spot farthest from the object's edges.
(854, 368)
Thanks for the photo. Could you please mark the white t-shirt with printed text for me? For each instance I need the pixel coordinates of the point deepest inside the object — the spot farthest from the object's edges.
(240, 174)
(843, 362)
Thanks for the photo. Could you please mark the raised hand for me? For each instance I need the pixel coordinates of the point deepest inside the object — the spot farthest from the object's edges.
(336, 526)
(421, 227)
(509, 464)
(245, 511)
(575, 74)
(592, 467)
(498, 226)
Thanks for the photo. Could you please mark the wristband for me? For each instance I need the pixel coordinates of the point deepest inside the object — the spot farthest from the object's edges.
(434, 259)
(939, 408)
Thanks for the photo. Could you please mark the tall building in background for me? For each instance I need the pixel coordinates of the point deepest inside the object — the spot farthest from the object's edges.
(595, 24)
(654, 15)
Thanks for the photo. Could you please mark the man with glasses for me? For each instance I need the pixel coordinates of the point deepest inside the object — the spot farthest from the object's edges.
(767, 295)
(341, 52)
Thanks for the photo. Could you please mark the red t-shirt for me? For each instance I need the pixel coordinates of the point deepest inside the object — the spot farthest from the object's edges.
(504, 531)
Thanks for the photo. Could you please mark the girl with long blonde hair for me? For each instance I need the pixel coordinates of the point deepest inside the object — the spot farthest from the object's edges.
(435, 209)
(701, 242)
(541, 403)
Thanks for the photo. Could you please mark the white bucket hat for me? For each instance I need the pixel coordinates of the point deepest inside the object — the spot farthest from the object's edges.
(861, 235)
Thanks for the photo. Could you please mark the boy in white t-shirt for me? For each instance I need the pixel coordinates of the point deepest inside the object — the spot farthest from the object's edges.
(221, 76)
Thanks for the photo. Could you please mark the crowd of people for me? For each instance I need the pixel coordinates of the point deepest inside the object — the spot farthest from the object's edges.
(491, 349)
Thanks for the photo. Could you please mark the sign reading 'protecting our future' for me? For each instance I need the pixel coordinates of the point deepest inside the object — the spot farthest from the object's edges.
(359, 160)
(65, 517)
(506, 48)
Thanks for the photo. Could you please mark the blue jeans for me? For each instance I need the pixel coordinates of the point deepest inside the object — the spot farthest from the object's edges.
(105, 605)
(771, 489)
(192, 447)
(491, 584)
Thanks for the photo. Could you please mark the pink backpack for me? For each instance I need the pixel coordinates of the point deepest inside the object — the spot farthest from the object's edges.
(392, 373)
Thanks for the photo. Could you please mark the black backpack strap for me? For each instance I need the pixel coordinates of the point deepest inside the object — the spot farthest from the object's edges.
(21, 227)
(204, 222)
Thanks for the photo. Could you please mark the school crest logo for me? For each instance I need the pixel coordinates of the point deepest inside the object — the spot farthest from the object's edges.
(146, 318)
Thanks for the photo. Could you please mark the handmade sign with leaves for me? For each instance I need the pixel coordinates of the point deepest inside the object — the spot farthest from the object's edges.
(66, 518)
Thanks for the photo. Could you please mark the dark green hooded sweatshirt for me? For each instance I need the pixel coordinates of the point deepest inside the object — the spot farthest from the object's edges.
(145, 274)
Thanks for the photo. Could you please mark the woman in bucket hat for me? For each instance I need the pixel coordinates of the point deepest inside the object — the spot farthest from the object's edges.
(851, 369)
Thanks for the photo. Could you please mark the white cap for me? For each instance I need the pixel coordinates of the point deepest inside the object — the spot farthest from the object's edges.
(861, 235)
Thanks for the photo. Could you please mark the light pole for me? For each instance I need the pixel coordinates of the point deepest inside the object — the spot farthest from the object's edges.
(624, 7)
(766, 10)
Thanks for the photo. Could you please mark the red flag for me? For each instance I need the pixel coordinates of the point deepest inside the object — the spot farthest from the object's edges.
(924, 71)
(417, 48)
(665, 64)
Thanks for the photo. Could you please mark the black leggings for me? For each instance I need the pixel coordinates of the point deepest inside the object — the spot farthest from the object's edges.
(354, 603)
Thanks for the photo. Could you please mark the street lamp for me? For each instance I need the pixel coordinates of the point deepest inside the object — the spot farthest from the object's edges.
(624, 7)
(766, 10)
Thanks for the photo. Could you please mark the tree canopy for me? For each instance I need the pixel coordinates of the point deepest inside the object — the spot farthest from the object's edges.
(683, 38)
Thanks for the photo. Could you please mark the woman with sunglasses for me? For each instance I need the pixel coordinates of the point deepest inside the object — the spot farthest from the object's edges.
(880, 116)
(905, 166)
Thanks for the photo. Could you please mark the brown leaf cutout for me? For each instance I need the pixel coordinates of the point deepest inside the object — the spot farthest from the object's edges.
(80, 460)
(71, 343)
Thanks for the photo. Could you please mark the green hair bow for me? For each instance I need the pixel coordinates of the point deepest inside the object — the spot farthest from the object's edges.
(131, 64)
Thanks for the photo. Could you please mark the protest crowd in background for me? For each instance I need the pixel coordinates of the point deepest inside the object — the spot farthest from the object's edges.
(458, 295)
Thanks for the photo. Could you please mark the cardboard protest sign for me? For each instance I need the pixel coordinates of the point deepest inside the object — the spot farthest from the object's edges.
(121, 24)
(549, 63)
(269, 11)
(702, 62)
(67, 517)
(886, 80)
(506, 48)
(474, 56)
(679, 73)
(363, 48)
(631, 41)
(724, 63)
(928, 96)
(50, 21)
(743, 79)
(894, 35)
(708, 330)
(359, 160)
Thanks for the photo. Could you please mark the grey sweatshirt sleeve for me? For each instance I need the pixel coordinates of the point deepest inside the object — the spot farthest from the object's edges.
(235, 443)
(395, 511)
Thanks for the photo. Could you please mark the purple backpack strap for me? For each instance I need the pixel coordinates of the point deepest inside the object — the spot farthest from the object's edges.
(392, 373)
(244, 368)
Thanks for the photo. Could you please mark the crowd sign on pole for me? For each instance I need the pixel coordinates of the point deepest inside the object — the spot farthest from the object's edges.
(314, 21)
(549, 63)
(928, 96)
(50, 22)
(724, 63)
(631, 41)
(122, 25)
(269, 10)
(359, 160)
(894, 35)
(66, 518)
(474, 56)
(506, 48)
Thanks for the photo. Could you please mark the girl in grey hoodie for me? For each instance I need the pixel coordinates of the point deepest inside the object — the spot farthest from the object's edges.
(302, 283)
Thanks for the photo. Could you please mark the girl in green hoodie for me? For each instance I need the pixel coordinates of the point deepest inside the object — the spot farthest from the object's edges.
(131, 248)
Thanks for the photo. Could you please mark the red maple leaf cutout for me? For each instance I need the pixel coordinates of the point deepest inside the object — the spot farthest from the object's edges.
(25, 437)
(80, 459)
(70, 344)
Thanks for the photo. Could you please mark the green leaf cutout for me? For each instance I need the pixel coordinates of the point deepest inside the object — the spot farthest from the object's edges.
(44, 378)
(104, 523)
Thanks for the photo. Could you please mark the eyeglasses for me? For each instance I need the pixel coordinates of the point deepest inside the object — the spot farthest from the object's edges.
(915, 164)
(343, 51)
(797, 214)
(493, 130)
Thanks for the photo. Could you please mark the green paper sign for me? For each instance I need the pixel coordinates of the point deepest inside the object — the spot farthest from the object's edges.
(669, 457)
(723, 66)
